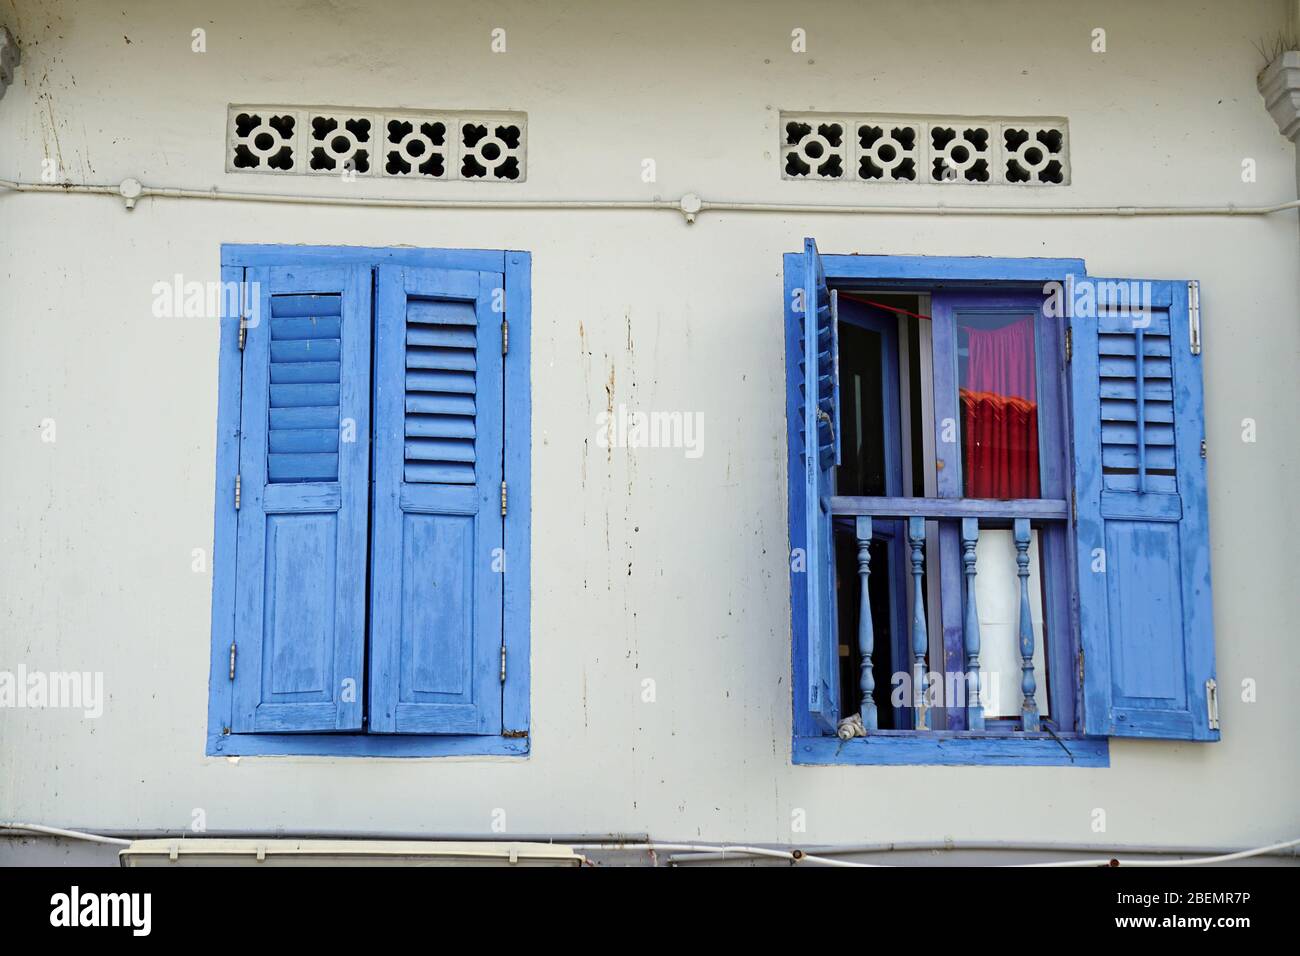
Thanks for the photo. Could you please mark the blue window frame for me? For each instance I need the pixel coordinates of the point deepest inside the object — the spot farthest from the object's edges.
(1115, 513)
(371, 550)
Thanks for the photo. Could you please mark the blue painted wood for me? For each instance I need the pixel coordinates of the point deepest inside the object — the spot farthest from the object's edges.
(1029, 707)
(887, 748)
(892, 534)
(820, 428)
(990, 278)
(1036, 509)
(1143, 560)
(920, 639)
(300, 571)
(256, 254)
(934, 271)
(365, 745)
(970, 532)
(866, 633)
(947, 444)
(437, 536)
(225, 533)
(797, 495)
(518, 473)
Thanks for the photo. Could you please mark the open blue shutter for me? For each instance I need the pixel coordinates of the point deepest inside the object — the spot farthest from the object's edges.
(819, 408)
(304, 473)
(436, 581)
(1142, 532)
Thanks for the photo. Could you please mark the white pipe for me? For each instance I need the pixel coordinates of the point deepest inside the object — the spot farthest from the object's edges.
(714, 852)
(1198, 861)
(689, 205)
(794, 856)
(69, 834)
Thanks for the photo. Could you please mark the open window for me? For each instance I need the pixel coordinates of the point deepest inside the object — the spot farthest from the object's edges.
(951, 525)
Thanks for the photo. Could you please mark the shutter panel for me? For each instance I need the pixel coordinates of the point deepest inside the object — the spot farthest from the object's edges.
(436, 586)
(819, 426)
(1145, 621)
(304, 478)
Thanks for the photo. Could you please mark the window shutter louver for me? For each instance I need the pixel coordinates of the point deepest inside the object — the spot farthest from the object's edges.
(1142, 533)
(819, 426)
(304, 471)
(436, 582)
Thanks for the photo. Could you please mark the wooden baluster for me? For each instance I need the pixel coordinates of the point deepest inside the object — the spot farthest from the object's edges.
(970, 532)
(916, 537)
(1029, 710)
(866, 633)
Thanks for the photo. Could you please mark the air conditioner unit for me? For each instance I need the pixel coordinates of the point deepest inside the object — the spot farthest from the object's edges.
(202, 851)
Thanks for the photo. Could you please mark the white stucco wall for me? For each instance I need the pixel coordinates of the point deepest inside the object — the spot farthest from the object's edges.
(646, 564)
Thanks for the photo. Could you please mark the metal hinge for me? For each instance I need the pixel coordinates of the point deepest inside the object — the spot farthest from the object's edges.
(505, 336)
(1212, 703)
(1203, 448)
(236, 492)
(503, 663)
(1069, 345)
(1074, 506)
(503, 499)
(243, 314)
(232, 660)
(1194, 315)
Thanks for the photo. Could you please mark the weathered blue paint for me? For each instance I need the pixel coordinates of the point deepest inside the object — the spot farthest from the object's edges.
(1143, 557)
(1053, 456)
(820, 435)
(517, 414)
(948, 484)
(300, 611)
(437, 529)
(1037, 509)
(475, 260)
(938, 272)
(225, 517)
(970, 533)
(1010, 278)
(866, 634)
(920, 639)
(1025, 629)
(887, 748)
(893, 534)
(516, 620)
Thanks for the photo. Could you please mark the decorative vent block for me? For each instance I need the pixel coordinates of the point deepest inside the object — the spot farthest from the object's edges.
(856, 147)
(366, 143)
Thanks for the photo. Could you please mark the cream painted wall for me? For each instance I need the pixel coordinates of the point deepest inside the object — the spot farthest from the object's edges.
(646, 564)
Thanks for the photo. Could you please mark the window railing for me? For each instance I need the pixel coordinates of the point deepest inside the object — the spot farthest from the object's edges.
(1019, 514)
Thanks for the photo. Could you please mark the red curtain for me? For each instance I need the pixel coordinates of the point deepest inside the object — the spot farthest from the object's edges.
(999, 413)
(999, 445)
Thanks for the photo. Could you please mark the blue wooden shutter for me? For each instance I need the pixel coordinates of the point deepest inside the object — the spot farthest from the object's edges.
(304, 477)
(819, 425)
(1146, 630)
(436, 586)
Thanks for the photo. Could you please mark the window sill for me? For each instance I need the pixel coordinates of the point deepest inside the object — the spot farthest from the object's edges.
(953, 748)
(365, 745)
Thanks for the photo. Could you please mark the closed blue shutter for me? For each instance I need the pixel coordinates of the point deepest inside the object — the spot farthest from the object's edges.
(436, 586)
(304, 473)
(819, 428)
(1142, 532)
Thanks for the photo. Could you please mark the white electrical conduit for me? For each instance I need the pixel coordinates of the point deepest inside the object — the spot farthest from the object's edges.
(59, 832)
(689, 205)
(715, 851)
(798, 856)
